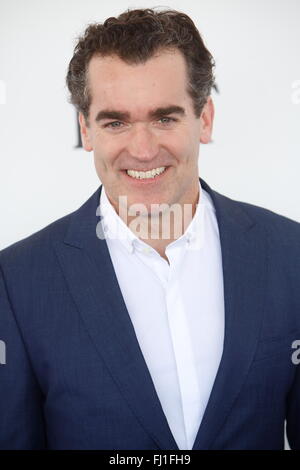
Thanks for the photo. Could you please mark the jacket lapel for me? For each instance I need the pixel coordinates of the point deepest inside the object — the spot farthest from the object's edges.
(244, 260)
(87, 266)
(85, 260)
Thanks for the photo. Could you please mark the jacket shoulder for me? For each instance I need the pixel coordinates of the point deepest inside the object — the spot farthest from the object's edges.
(40, 243)
(278, 226)
(37, 243)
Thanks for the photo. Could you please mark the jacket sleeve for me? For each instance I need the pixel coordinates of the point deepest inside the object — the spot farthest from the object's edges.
(21, 405)
(293, 412)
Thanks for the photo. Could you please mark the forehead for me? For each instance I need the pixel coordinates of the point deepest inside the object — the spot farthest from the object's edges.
(114, 83)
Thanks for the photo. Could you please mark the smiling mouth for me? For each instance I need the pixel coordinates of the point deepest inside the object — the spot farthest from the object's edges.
(148, 174)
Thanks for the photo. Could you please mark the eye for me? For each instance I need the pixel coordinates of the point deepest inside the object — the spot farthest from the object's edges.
(113, 125)
(167, 120)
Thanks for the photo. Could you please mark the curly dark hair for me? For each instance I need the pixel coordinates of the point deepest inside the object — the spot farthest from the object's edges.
(135, 36)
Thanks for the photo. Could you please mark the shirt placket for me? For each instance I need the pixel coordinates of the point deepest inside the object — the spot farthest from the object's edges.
(184, 356)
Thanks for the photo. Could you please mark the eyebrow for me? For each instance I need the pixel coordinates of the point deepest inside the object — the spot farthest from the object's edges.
(153, 114)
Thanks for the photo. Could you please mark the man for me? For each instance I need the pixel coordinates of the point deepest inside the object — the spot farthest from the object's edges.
(173, 329)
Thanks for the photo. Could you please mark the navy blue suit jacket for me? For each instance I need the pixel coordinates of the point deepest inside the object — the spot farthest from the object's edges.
(75, 376)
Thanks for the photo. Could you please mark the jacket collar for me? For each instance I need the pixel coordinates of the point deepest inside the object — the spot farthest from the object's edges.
(116, 228)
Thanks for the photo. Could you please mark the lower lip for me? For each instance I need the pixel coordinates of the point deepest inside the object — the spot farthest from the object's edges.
(144, 181)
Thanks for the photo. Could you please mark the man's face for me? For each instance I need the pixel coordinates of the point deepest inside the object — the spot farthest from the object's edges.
(142, 118)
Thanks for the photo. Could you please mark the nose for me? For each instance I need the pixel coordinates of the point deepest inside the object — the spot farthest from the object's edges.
(143, 144)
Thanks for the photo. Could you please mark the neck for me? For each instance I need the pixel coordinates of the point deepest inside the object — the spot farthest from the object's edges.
(159, 229)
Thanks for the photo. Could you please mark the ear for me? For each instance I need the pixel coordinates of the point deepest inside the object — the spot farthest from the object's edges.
(206, 121)
(84, 131)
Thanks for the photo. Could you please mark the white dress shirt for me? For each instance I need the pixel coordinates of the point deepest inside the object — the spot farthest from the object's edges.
(177, 310)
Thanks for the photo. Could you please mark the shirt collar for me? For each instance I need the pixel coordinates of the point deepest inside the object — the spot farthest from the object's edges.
(115, 228)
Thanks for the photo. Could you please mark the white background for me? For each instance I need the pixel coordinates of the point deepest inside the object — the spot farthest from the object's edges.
(254, 156)
(255, 153)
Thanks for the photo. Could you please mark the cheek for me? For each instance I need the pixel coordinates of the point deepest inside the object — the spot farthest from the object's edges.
(105, 156)
(185, 149)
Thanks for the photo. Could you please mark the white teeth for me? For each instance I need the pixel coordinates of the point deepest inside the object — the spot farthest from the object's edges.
(146, 174)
